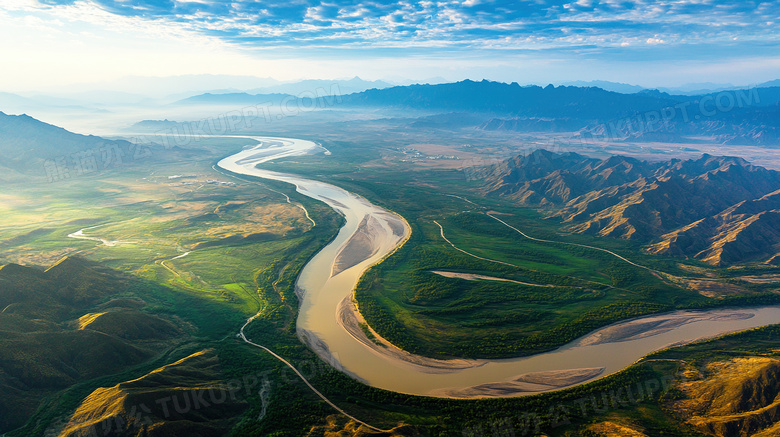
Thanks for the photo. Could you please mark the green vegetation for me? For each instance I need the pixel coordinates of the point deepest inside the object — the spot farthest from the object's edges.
(432, 315)
(194, 321)
(370, 334)
(637, 395)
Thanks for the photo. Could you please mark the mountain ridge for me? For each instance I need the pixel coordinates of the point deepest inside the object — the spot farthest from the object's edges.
(718, 209)
(739, 116)
(26, 144)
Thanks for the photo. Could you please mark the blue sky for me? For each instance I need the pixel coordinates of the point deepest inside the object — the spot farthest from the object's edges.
(663, 43)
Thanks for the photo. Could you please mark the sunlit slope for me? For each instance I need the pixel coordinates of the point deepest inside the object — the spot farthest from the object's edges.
(154, 404)
(129, 324)
(738, 397)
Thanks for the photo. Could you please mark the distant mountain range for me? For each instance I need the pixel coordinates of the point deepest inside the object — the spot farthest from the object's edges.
(519, 101)
(691, 89)
(617, 87)
(235, 99)
(483, 97)
(750, 117)
(741, 116)
(320, 87)
(26, 144)
(306, 89)
(721, 210)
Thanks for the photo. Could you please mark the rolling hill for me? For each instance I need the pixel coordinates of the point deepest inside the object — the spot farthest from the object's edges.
(722, 210)
(63, 326)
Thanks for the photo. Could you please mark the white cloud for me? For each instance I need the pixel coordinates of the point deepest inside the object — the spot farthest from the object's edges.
(86, 42)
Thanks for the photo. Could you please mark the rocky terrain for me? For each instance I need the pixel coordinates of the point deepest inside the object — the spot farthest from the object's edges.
(718, 209)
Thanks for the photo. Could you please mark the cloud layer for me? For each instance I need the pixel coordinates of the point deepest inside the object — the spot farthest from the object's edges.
(652, 43)
(479, 24)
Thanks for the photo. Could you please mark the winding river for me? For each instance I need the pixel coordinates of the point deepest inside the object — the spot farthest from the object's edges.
(329, 323)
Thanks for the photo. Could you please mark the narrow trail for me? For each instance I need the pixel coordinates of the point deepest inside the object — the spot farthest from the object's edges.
(651, 360)
(570, 244)
(303, 378)
(539, 240)
(162, 263)
(111, 243)
(305, 211)
(470, 277)
(79, 235)
(512, 265)
(463, 199)
(657, 272)
(469, 253)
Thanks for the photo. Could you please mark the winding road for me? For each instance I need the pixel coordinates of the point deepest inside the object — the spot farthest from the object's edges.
(571, 244)
(303, 378)
(441, 231)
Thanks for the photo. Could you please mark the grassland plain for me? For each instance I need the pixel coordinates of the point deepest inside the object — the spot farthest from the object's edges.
(151, 221)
